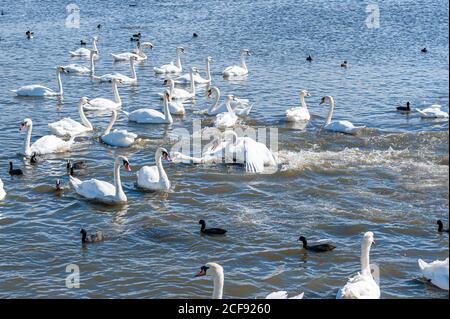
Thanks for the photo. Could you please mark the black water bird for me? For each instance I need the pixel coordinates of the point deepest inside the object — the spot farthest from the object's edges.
(195, 35)
(210, 231)
(441, 227)
(29, 34)
(76, 165)
(309, 58)
(33, 159)
(99, 26)
(344, 64)
(82, 42)
(317, 248)
(406, 108)
(13, 171)
(424, 50)
(91, 238)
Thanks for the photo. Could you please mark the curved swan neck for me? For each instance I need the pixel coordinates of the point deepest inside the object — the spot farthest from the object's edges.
(83, 117)
(191, 75)
(178, 62)
(111, 123)
(243, 65)
(118, 183)
(58, 79)
(302, 101)
(116, 93)
(133, 70)
(27, 148)
(365, 252)
(167, 114)
(94, 44)
(330, 112)
(162, 173)
(215, 104)
(218, 285)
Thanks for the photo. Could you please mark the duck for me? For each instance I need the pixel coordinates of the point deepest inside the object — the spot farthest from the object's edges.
(104, 192)
(91, 238)
(406, 108)
(29, 34)
(82, 43)
(210, 231)
(118, 138)
(13, 171)
(309, 58)
(424, 50)
(154, 177)
(363, 285)
(2, 190)
(345, 127)
(319, 248)
(76, 164)
(236, 70)
(441, 227)
(434, 112)
(301, 113)
(344, 64)
(436, 272)
(151, 116)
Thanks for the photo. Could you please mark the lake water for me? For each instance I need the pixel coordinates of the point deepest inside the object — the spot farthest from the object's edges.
(391, 179)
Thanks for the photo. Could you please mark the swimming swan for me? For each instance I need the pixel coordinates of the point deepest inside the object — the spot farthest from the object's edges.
(338, 126)
(301, 113)
(69, 127)
(155, 177)
(42, 91)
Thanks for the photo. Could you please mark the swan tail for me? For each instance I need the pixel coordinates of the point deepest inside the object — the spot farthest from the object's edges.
(300, 296)
(127, 114)
(421, 112)
(75, 182)
(422, 264)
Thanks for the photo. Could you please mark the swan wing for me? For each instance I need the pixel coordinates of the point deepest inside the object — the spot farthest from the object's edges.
(148, 177)
(76, 68)
(34, 90)
(437, 272)
(81, 52)
(67, 126)
(147, 116)
(50, 144)
(360, 287)
(93, 188)
(101, 104)
(121, 138)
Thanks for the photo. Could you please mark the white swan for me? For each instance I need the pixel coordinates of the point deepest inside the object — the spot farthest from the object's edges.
(217, 274)
(39, 90)
(101, 104)
(434, 112)
(81, 69)
(238, 70)
(283, 295)
(226, 119)
(140, 55)
(175, 107)
(301, 113)
(2, 190)
(171, 68)
(155, 177)
(125, 79)
(69, 127)
(119, 138)
(254, 155)
(186, 78)
(180, 94)
(362, 286)
(151, 116)
(436, 272)
(338, 126)
(101, 191)
(240, 107)
(83, 52)
(46, 144)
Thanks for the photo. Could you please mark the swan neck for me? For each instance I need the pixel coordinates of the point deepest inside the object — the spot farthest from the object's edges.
(111, 123)
(365, 265)
(58, 79)
(302, 102)
(228, 105)
(330, 112)
(243, 65)
(27, 148)
(92, 64)
(118, 183)
(83, 117)
(218, 285)
(167, 114)
(215, 104)
(133, 70)
(162, 173)
(191, 75)
(208, 70)
(116, 94)
(178, 62)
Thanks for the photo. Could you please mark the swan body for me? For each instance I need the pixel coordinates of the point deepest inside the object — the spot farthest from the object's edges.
(433, 111)
(85, 53)
(436, 272)
(102, 104)
(338, 126)
(171, 68)
(226, 119)
(283, 295)
(119, 138)
(151, 116)
(101, 191)
(46, 144)
(186, 78)
(238, 70)
(240, 107)
(124, 78)
(42, 91)
(362, 286)
(181, 94)
(301, 113)
(69, 127)
(175, 107)
(2, 190)
(155, 177)
(139, 56)
(81, 69)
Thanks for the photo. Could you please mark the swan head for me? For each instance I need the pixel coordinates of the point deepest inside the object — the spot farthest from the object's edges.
(147, 45)
(26, 123)
(60, 69)
(95, 38)
(210, 268)
(211, 90)
(194, 69)
(304, 93)
(117, 81)
(180, 50)
(230, 97)
(84, 100)
(368, 239)
(209, 59)
(246, 52)
(326, 99)
(161, 151)
(123, 161)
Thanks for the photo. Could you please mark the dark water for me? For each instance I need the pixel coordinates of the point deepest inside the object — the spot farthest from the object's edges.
(392, 179)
